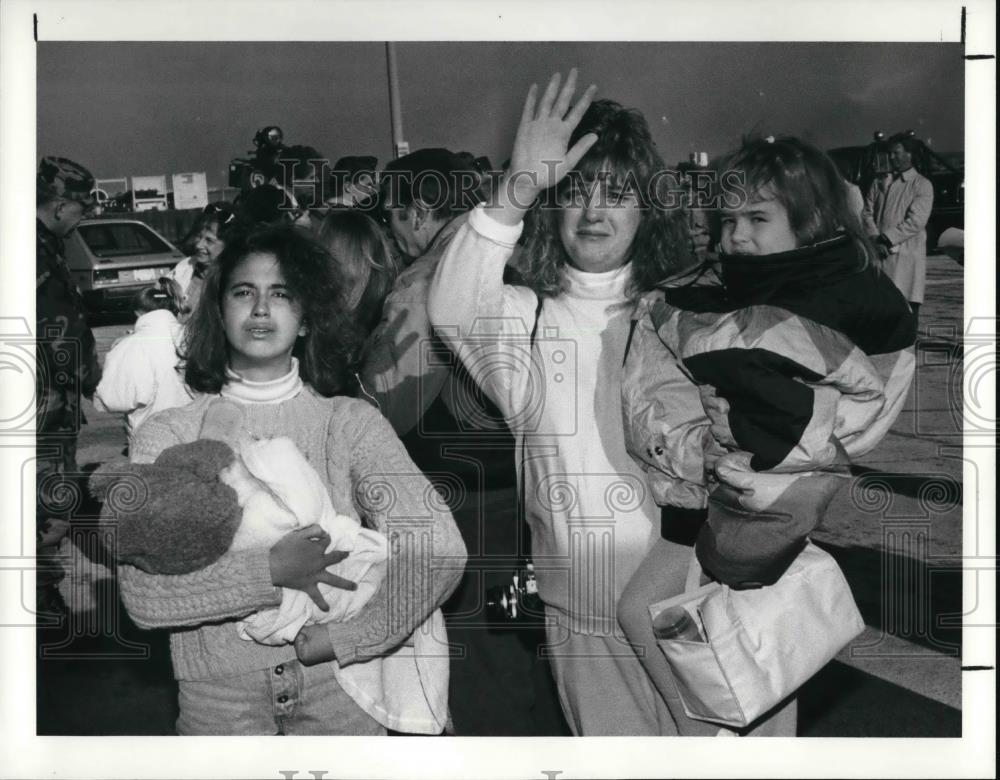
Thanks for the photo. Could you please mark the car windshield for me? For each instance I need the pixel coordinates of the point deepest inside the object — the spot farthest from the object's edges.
(121, 239)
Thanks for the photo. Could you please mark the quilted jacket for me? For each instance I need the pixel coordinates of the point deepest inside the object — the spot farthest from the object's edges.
(745, 394)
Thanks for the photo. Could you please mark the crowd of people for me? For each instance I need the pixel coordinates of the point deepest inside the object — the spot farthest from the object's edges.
(550, 365)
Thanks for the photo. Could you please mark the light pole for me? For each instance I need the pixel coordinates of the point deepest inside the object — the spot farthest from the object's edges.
(399, 146)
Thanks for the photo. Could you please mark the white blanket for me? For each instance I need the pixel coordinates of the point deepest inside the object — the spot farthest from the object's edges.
(279, 491)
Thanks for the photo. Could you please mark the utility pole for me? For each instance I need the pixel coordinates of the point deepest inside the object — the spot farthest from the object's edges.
(399, 146)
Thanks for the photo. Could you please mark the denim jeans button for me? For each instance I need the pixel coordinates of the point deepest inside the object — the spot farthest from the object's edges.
(279, 669)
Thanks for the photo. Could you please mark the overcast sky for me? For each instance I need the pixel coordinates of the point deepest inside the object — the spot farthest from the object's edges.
(125, 109)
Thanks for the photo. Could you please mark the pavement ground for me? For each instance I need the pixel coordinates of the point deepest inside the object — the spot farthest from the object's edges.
(896, 532)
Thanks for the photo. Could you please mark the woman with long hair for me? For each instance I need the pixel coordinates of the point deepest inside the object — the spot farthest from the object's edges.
(265, 338)
(367, 260)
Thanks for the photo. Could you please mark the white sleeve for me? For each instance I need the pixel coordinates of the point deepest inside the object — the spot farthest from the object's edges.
(485, 322)
(128, 381)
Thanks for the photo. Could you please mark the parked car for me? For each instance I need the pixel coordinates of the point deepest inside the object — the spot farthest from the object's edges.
(862, 164)
(112, 259)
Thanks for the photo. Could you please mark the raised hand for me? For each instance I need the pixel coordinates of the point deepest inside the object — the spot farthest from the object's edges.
(541, 156)
(299, 559)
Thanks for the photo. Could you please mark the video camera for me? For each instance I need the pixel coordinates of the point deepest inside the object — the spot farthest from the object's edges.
(251, 172)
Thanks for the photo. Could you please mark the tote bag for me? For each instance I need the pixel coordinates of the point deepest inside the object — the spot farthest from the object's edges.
(760, 645)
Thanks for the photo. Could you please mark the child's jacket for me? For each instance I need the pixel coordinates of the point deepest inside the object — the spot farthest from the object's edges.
(140, 372)
(768, 377)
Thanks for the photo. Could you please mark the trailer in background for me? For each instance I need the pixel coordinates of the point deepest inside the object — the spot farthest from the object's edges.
(149, 193)
(190, 190)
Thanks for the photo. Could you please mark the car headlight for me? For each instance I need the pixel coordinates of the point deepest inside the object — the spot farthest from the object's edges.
(102, 277)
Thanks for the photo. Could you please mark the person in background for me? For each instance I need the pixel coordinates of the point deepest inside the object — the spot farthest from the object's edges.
(422, 195)
(203, 244)
(595, 242)
(896, 211)
(459, 440)
(66, 360)
(265, 204)
(353, 182)
(141, 372)
(302, 169)
(367, 260)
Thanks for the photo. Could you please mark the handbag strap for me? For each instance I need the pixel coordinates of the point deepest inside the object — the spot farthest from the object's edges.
(693, 575)
(522, 512)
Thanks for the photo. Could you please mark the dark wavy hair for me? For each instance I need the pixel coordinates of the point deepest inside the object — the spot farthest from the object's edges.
(626, 148)
(327, 354)
(802, 178)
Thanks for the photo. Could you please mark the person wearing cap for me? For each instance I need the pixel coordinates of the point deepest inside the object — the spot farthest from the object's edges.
(460, 441)
(67, 365)
(896, 211)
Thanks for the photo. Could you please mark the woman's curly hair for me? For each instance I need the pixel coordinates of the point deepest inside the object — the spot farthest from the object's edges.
(329, 351)
(626, 149)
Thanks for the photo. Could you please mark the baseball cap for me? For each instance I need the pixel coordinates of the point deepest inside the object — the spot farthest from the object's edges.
(59, 177)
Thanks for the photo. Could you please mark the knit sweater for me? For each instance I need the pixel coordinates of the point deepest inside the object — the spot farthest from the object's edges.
(368, 475)
(592, 519)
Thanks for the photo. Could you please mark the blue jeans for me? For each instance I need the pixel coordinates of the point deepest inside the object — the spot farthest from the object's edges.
(287, 699)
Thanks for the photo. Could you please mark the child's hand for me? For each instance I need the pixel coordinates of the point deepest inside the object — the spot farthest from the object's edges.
(312, 645)
(541, 155)
(758, 491)
(717, 409)
(298, 561)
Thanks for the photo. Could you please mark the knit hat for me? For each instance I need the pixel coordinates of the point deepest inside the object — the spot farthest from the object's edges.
(59, 177)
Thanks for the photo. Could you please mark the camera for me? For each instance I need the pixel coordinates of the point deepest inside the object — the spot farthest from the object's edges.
(517, 601)
(261, 166)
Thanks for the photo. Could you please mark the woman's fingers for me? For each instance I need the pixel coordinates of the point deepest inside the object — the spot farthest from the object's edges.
(545, 105)
(313, 592)
(565, 95)
(336, 582)
(580, 148)
(528, 113)
(573, 117)
(334, 556)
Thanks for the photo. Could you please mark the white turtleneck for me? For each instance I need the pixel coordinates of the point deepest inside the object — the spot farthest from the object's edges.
(273, 391)
(591, 517)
